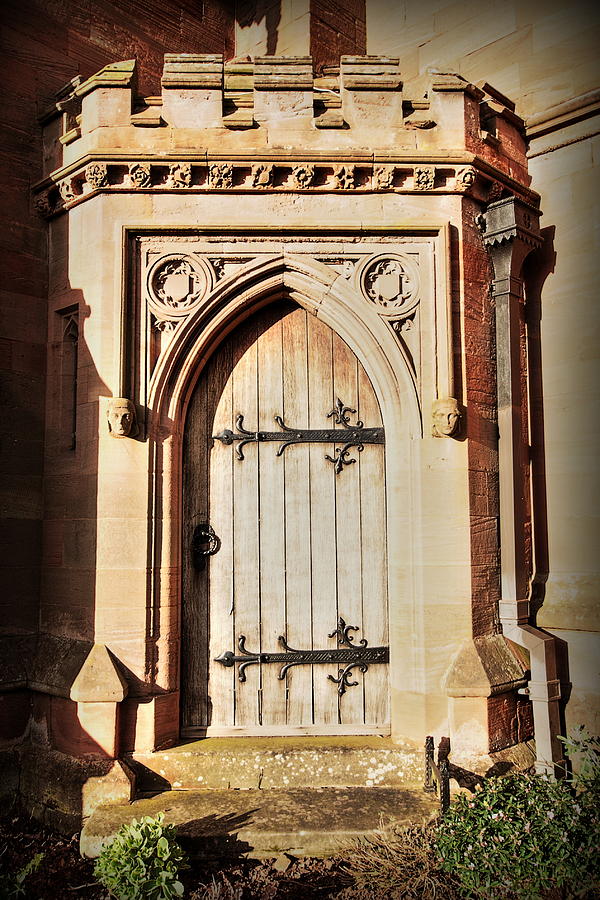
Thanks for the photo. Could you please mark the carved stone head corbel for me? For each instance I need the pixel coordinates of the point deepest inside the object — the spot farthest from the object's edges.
(122, 421)
(446, 415)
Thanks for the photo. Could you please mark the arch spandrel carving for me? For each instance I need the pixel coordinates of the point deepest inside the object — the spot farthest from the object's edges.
(316, 287)
(410, 329)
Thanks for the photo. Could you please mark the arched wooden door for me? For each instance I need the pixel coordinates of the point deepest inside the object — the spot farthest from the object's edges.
(284, 546)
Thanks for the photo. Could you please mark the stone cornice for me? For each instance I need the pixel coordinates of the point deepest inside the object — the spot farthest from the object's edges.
(563, 114)
(116, 172)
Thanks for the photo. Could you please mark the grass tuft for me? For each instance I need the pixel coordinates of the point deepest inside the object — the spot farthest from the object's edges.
(400, 863)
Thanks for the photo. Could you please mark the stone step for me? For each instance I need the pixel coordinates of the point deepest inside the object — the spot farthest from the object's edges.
(283, 762)
(266, 823)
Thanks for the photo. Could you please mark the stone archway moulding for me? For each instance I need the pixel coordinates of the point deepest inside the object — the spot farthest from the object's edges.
(324, 294)
(327, 295)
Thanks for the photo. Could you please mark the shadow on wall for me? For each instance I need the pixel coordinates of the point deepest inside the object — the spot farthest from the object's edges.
(253, 12)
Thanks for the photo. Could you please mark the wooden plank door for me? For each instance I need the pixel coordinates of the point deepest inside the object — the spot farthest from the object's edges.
(297, 545)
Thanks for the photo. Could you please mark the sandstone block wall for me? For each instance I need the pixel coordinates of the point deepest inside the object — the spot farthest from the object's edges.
(44, 45)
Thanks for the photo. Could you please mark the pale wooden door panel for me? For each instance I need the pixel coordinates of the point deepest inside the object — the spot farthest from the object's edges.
(347, 504)
(299, 545)
(323, 538)
(272, 524)
(373, 557)
(220, 630)
(246, 560)
(297, 516)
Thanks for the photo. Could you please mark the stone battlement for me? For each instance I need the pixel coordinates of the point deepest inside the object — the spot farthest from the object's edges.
(271, 123)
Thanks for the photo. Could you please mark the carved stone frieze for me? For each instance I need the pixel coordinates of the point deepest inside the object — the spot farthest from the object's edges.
(383, 177)
(465, 177)
(402, 326)
(392, 284)
(344, 177)
(220, 175)
(66, 190)
(279, 175)
(302, 176)
(219, 268)
(180, 175)
(419, 124)
(96, 174)
(263, 175)
(166, 326)
(43, 205)
(424, 178)
(495, 192)
(139, 175)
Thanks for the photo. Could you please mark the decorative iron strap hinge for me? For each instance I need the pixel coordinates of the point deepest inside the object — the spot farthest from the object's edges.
(353, 655)
(353, 436)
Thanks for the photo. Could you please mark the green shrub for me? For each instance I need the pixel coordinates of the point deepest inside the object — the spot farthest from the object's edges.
(522, 835)
(142, 861)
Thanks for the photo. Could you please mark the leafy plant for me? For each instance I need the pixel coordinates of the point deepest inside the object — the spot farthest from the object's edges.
(142, 861)
(583, 751)
(13, 885)
(520, 836)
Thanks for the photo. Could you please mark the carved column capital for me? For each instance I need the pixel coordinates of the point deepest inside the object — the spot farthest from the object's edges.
(511, 232)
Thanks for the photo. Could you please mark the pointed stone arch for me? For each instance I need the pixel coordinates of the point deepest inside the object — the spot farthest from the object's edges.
(317, 288)
(323, 293)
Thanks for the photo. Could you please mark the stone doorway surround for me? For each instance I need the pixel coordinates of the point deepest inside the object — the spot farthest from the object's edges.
(256, 181)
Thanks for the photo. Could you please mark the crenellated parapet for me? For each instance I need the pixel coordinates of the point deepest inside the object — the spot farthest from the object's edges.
(271, 124)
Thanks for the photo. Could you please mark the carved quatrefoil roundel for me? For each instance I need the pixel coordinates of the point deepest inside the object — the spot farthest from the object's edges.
(391, 282)
(176, 285)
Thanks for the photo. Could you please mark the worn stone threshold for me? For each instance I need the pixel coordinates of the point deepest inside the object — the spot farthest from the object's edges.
(247, 763)
(265, 823)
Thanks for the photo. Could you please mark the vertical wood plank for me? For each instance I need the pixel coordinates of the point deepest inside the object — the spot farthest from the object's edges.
(194, 613)
(221, 575)
(297, 515)
(246, 549)
(272, 521)
(299, 545)
(322, 510)
(373, 548)
(348, 526)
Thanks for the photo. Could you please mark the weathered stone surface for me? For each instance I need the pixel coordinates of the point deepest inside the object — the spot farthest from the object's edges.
(246, 763)
(302, 822)
(99, 679)
(52, 785)
(483, 667)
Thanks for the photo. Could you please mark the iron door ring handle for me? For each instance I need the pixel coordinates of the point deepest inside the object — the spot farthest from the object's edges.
(204, 543)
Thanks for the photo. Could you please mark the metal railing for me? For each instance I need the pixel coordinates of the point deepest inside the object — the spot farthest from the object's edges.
(437, 774)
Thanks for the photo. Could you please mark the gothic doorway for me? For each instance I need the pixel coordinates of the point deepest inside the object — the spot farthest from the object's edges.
(285, 607)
